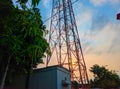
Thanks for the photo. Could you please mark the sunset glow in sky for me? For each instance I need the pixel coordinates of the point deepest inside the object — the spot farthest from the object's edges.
(99, 30)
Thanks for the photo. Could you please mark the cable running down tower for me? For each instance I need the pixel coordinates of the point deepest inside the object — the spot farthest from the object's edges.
(65, 43)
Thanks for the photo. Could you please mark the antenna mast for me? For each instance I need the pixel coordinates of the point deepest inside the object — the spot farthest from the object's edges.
(65, 43)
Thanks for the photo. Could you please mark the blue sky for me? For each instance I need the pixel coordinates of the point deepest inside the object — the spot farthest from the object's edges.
(98, 29)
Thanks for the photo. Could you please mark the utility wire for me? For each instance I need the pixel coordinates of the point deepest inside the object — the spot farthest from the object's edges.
(55, 14)
(75, 1)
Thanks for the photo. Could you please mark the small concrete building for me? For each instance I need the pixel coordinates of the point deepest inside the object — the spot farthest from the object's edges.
(54, 77)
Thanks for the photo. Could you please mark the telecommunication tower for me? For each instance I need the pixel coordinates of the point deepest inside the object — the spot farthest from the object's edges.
(65, 43)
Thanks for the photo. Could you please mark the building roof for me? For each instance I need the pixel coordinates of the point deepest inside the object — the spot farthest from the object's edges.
(51, 68)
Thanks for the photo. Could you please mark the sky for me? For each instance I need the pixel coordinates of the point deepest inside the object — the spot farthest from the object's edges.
(98, 28)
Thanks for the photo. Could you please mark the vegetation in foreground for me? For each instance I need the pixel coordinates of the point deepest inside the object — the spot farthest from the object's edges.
(22, 42)
(104, 78)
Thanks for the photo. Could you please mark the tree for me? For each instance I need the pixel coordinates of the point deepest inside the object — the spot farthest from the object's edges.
(75, 84)
(104, 78)
(22, 42)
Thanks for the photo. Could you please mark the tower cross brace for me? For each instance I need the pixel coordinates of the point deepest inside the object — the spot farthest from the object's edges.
(65, 43)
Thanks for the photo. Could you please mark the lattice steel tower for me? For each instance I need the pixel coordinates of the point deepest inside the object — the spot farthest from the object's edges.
(65, 43)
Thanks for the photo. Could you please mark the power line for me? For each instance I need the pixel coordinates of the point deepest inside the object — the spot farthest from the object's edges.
(56, 13)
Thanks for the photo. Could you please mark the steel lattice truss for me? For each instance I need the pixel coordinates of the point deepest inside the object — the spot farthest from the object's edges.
(65, 43)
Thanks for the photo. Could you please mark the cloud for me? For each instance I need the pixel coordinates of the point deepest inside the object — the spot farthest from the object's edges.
(114, 2)
(46, 2)
(83, 16)
(115, 47)
(99, 22)
(98, 2)
(105, 41)
(99, 34)
(103, 2)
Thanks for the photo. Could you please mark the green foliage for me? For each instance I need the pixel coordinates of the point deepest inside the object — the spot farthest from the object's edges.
(34, 2)
(75, 84)
(104, 78)
(21, 37)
